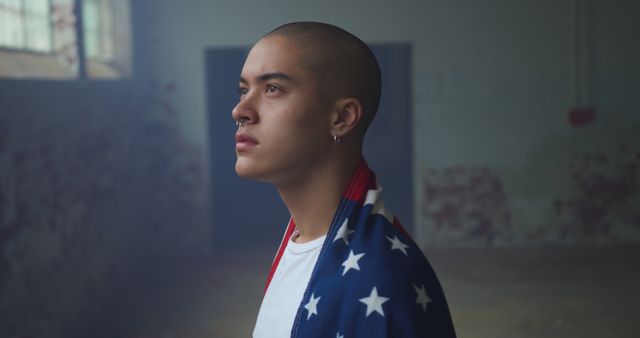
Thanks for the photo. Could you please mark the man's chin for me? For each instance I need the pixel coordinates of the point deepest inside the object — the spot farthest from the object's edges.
(242, 172)
(245, 170)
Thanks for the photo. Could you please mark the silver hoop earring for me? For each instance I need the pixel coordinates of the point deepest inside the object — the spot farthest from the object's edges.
(336, 140)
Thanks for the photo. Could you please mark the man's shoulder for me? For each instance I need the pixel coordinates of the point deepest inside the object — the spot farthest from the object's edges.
(393, 248)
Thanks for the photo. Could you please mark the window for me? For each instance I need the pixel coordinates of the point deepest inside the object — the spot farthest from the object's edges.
(98, 29)
(38, 39)
(25, 25)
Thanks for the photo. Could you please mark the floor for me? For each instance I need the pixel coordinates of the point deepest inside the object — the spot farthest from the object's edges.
(540, 292)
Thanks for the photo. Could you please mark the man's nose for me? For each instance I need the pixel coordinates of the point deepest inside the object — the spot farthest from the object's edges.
(245, 110)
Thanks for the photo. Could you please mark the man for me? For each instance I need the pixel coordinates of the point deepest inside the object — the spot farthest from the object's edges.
(345, 267)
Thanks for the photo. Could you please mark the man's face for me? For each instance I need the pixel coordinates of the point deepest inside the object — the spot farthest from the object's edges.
(287, 125)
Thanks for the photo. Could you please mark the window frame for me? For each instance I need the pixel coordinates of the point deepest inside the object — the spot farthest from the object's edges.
(116, 66)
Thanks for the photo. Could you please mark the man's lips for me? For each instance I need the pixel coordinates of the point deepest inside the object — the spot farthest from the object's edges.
(245, 142)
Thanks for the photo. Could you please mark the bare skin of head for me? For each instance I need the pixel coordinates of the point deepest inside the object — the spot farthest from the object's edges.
(291, 116)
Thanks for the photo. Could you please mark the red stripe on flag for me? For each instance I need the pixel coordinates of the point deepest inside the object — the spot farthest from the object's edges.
(283, 245)
(361, 181)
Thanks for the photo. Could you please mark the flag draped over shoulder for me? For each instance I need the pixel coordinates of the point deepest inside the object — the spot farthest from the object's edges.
(371, 279)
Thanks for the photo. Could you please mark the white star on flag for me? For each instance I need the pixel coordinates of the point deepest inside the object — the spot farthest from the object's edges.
(396, 244)
(312, 306)
(338, 335)
(422, 297)
(352, 262)
(344, 232)
(374, 302)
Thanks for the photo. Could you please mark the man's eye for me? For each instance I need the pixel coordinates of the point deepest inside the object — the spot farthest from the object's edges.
(242, 91)
(272, 89)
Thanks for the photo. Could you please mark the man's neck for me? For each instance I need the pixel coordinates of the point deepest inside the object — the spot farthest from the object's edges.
(313, 201)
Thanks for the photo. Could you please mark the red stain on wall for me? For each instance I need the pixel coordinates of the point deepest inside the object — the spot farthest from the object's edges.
(467, 201)
(581, 116)
(601, 185)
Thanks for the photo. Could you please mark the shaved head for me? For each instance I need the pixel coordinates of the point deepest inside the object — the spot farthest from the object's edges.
(342, 63)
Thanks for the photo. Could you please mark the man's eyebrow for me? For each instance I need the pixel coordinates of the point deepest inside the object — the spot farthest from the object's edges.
(270, 76)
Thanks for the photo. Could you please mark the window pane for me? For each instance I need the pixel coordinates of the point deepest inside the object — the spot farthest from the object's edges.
(90, 13)
(98, 30)
(38, 28)
(12, 29)
(4, 27)
(11, 34)
(37, 6)
(106, 29)
(25, 24)
(90, 25)
(38, 35)
(15, 4)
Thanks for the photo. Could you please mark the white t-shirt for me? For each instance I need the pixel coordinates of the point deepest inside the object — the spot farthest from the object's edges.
(285, 292)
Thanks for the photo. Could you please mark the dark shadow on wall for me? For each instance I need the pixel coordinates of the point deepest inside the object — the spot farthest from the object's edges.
(95, 180)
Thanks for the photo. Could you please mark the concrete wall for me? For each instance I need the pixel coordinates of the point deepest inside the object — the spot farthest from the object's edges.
(496, 144)
(95, 180)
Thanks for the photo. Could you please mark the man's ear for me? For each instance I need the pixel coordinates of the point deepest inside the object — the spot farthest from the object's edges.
(346, 117)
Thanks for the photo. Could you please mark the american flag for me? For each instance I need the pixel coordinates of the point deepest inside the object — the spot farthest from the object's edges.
(371, 279)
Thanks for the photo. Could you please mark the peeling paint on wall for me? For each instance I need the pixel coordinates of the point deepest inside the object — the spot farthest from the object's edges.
(466, 206)
(580, 187)
(602, 201)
